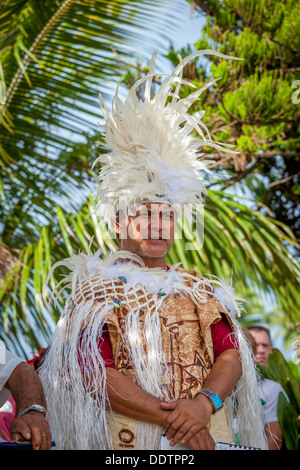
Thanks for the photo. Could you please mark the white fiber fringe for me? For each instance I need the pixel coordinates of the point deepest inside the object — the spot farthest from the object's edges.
(152, 150)
(77, 411)
(77, 421)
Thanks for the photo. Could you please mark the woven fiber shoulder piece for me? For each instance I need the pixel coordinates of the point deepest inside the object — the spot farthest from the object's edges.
(130, 269)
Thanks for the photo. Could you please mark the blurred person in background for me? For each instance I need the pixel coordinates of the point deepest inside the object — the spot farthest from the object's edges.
(263, 343)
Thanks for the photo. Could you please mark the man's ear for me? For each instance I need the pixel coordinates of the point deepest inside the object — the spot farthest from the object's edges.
(116, 226)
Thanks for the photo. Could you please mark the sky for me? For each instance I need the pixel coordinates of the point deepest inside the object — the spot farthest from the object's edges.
(191, 25)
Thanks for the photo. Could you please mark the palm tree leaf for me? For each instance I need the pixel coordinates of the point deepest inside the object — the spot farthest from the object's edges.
(55, 60)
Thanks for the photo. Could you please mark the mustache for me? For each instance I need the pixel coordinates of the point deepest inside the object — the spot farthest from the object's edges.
(158, 235)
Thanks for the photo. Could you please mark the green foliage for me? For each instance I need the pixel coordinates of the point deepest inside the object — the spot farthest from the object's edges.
(288, 411)
(258, 93)
(28, 313)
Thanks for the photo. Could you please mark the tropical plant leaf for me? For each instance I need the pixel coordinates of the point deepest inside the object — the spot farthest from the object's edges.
(55, 57)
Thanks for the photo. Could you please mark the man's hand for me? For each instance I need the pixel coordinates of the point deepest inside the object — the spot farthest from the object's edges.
(188, 418)
(32, 427)
(187, 422)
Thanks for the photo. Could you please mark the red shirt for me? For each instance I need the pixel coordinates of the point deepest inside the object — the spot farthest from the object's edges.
(222, 337)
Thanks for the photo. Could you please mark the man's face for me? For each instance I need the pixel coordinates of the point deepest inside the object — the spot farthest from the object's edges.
(263, 346)
(149, 232)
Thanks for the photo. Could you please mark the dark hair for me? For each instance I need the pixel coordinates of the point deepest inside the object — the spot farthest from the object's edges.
(259, 328)
(250, 338)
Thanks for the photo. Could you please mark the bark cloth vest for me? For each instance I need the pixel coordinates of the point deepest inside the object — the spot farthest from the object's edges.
(188, 350)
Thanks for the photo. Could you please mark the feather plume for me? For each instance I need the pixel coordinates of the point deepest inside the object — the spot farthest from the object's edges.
(152, 154)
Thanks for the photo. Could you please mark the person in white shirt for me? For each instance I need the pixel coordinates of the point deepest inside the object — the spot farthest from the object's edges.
(269, 393)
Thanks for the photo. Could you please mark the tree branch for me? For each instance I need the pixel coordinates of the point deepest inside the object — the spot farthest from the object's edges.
(283, 180)
(293, 49)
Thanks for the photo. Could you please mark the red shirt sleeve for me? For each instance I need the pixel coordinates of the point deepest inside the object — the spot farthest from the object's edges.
(105, 348)
(222, 337)
(8, 412)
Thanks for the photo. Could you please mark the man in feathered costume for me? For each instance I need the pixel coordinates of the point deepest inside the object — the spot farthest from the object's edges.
(146, 355)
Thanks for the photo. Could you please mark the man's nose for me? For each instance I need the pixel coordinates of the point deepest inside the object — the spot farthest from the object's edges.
(156, 225)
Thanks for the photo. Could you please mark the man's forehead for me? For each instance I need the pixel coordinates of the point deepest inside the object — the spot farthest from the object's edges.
(153, 207)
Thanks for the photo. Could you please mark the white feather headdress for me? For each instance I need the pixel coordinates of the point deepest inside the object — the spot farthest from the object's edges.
(152, 152)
